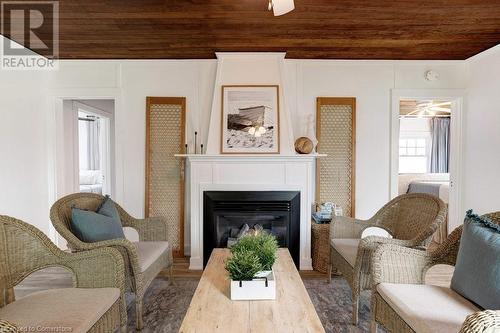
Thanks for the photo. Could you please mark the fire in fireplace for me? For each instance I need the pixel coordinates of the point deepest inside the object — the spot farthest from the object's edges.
(230, 214)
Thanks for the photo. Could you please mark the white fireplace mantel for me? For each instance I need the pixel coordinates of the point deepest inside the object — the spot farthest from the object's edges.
(249, 173)
(267, 157)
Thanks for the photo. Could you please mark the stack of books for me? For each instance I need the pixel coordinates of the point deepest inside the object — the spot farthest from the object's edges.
(326, 211)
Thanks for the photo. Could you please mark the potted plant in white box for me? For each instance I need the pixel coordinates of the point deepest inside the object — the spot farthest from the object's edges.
(250, 267)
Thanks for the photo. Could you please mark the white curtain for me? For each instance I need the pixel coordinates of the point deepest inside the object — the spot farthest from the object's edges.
(93, 145)
(90, 146)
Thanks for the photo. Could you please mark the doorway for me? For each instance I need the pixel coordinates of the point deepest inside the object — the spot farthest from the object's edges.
(426, 151)
(95, 126)
(83, 149)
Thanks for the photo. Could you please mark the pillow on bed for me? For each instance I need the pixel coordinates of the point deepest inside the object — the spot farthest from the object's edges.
(90, 177)
(477, 270)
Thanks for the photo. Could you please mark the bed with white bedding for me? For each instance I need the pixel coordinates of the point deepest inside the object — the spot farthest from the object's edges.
(95, 188)
(91, 181)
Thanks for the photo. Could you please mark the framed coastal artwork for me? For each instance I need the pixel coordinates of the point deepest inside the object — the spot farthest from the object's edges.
(250, 119)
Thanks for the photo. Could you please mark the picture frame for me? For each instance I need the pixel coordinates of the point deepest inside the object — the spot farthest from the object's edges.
(250, 119)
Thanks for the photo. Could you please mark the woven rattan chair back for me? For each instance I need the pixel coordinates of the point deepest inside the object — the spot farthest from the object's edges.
(60, 214)
(494, 217)
(410, 216)
(448, 250)
(23, 250)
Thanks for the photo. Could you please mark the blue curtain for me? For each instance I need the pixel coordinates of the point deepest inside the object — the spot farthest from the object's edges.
(440, 145)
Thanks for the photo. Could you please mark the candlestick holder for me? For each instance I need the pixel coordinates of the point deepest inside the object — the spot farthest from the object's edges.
(195, 135)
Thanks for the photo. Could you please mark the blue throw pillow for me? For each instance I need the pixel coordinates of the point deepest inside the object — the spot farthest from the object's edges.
(97, 226)
(477, 270)
(108, 209)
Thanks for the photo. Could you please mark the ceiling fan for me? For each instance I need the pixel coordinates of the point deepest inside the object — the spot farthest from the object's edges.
(430, 108)
(281, 7)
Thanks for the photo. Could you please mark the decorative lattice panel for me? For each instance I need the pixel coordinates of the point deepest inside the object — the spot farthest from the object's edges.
(335, 134)
(164, 174)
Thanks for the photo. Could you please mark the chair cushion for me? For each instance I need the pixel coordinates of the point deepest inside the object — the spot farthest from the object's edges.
(149, 252)
(427, 308)
(347, 248)
(477, 270)
(75, 308)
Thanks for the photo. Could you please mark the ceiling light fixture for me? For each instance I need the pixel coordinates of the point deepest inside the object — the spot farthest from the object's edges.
(281, 7)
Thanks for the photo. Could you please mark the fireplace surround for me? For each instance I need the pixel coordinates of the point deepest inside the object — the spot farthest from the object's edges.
(226, 212)
(247, 173)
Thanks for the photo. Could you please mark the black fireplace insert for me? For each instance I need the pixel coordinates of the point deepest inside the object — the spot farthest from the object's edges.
(226, 212)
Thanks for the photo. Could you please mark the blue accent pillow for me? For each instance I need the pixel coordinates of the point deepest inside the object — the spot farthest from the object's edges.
(108, 209)
(97, 226)
(477, 270)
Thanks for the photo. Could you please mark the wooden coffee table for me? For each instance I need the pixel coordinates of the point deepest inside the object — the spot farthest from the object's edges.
(211, 309)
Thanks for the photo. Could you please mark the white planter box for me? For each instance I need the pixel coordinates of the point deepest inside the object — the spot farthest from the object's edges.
(255, 289)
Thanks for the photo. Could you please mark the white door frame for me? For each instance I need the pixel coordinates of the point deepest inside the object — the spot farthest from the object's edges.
(456, 96)
(54, 109)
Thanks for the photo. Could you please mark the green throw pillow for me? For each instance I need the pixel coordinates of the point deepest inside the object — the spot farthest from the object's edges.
(97, 226)
(477, 270)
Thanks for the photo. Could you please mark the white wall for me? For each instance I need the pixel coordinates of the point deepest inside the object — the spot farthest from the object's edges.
(482, 133)
(23, 164)
(371, 82)
(106, 105)
(25, 138)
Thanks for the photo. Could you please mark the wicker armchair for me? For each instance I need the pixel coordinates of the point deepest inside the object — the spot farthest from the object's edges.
(411, 219)
(395, 264)
(143, 260)
(98, 278)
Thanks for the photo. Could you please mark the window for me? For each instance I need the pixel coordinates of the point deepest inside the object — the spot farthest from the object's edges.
(413, 155)
(412, 147)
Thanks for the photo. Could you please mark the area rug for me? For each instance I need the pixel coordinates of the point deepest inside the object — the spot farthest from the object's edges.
(165, 305)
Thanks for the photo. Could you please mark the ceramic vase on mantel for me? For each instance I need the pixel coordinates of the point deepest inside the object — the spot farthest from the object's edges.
(262, 287)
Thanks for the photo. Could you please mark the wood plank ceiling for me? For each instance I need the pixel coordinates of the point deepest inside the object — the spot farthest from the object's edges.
(325, 29)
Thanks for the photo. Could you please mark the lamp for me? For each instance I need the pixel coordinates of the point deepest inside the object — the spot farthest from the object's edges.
(281, 7)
